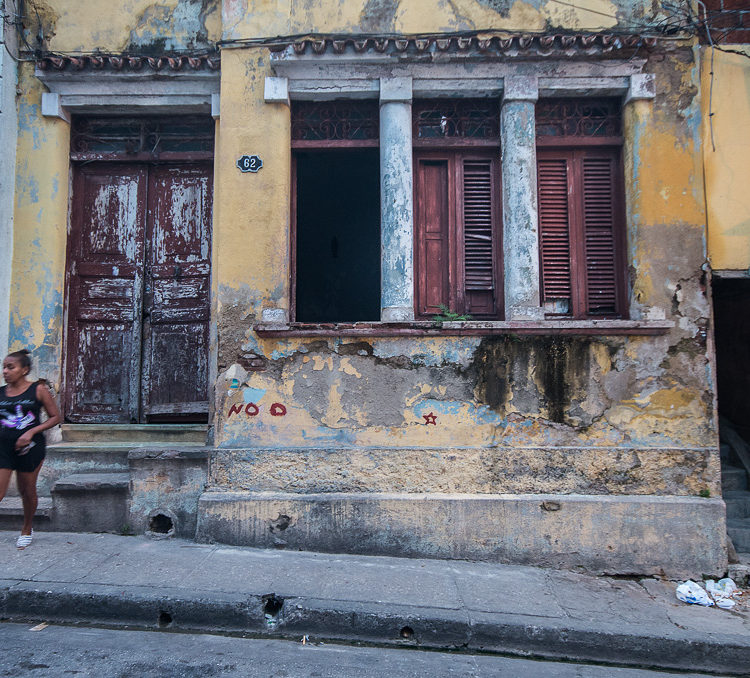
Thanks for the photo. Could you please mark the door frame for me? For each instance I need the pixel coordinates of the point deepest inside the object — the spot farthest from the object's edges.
(78, 159)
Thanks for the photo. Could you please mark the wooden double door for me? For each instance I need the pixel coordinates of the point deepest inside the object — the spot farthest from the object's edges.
(138, 281)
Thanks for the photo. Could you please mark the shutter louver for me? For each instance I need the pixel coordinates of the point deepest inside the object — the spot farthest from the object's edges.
(599, 230)
(479, 267)
(554, 230)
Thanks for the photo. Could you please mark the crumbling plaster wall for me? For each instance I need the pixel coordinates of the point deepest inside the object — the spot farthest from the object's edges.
(140, 26)
(40, 231)
(469, 414)
(252, 18)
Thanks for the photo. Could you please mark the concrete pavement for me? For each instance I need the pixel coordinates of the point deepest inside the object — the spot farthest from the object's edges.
(180, 585)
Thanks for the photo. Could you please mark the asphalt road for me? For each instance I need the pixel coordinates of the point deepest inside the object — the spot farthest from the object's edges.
(62, 651)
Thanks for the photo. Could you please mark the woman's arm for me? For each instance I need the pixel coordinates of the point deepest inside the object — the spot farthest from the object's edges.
(53, 416)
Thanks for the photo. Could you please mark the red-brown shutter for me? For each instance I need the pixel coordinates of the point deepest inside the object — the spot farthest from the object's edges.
(598, 179)
(478, 237)
(432, 235)
(554, 230)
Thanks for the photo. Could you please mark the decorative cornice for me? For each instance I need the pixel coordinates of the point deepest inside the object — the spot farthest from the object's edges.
(121, 62)
(510, 45)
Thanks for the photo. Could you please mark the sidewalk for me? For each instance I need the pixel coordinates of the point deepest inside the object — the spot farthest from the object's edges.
(180, 585)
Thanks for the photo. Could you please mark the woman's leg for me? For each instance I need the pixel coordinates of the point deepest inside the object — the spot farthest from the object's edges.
(5, 474)
(27, 489)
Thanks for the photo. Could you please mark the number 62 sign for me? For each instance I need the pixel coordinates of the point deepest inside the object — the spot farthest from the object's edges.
(249, 163)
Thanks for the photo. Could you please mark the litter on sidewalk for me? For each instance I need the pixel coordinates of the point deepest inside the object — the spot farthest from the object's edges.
(721, 593)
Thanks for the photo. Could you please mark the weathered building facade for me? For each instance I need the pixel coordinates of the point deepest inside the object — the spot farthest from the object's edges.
(434, 274)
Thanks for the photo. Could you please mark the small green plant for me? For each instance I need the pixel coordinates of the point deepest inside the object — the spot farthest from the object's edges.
(705, 493)
(448, 316)
(126, 531)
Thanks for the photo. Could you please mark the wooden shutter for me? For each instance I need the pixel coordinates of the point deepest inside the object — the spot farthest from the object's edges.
(432, 235)
(480, 248)
(598, 196)
(579, 222)
(554, 231)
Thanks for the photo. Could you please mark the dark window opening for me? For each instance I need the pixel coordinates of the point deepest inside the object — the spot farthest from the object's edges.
(338, 235)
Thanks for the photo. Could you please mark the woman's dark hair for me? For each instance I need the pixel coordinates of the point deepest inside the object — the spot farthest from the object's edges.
(22, 356)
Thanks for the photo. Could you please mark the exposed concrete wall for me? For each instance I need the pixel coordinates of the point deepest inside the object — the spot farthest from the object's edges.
(669, 536)
(727, 169)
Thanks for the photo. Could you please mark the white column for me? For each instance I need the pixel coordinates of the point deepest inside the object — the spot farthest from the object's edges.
(520, 219)
(396, 201)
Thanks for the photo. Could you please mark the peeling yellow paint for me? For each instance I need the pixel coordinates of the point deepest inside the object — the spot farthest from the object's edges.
(347, 368)
(727, 168)
(582, 15)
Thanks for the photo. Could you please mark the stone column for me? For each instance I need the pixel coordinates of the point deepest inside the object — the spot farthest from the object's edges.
(396, 202)
(637, 119)
(520, 220)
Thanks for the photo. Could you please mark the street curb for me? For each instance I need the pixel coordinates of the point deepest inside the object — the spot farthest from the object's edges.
(400, 626)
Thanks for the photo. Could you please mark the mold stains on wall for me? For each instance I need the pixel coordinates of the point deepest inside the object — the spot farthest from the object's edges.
(379, 16)
(164, 27)
(533, 375)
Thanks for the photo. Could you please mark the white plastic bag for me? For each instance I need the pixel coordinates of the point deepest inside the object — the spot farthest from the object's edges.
(722, 592)
(690, 592)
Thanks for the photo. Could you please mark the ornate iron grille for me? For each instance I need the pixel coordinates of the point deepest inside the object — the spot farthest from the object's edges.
(456, 118)
(111, 135)
(335, 121)
(578, 118)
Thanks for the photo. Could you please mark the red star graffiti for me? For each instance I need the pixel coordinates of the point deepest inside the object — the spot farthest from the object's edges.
(430, 418)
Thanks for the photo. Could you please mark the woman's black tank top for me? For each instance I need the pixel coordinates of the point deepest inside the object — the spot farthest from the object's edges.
(18, 413)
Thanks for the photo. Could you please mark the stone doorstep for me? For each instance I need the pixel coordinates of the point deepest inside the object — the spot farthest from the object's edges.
(598, 534)
(93, 482)
(135, 433)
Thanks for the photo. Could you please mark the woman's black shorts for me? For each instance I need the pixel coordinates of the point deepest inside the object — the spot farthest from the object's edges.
(25, 463)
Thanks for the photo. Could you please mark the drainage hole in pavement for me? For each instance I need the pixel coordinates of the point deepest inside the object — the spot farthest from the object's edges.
(160, 524)
(406, 632)
(272, 605)
(165, 619)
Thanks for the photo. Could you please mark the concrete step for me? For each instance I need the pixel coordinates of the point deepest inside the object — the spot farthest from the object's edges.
(739, 530)
(11, 513)
(733, 478)
(92, 502)
(151, 434)
(64, 459)
(738, 504)
(89, 457)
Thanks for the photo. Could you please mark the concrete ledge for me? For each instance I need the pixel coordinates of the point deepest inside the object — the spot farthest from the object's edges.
(169, 453)
(482, 470)
(672, 536)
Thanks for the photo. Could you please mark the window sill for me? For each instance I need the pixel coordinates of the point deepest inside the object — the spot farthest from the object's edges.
(428, 328)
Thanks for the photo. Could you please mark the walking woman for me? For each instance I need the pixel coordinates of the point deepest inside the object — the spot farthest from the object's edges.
(22, 444)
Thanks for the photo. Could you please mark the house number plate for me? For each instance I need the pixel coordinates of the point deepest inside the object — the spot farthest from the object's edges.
(249, 163)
